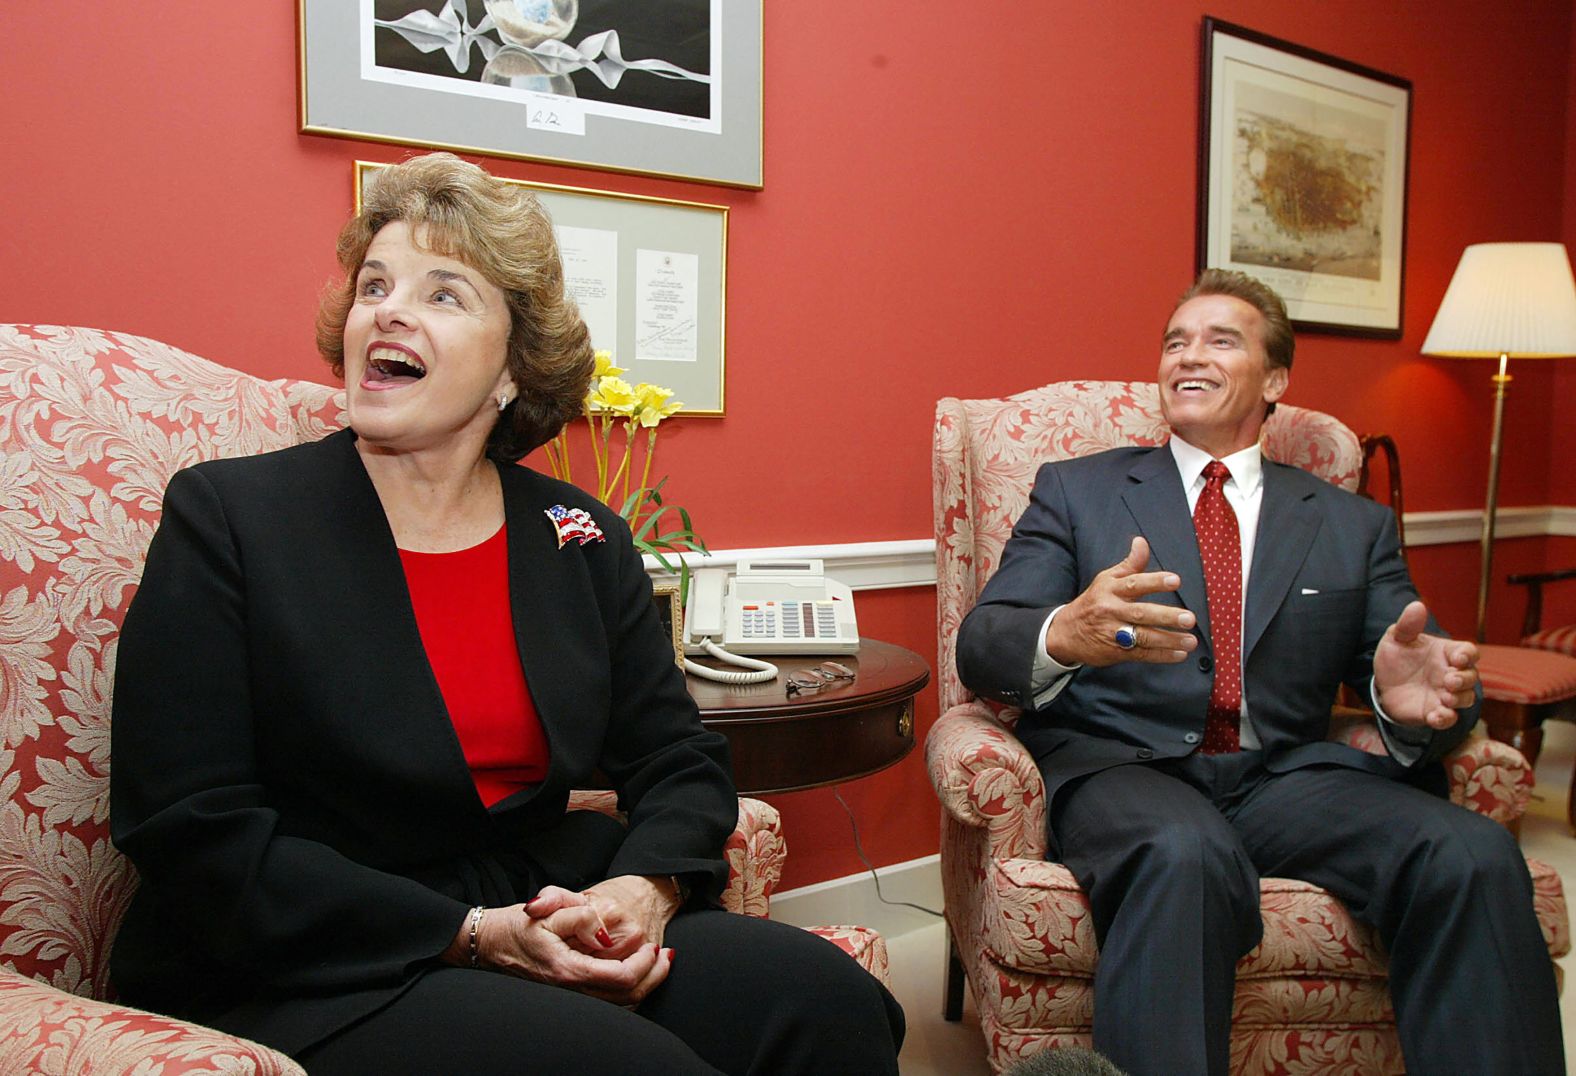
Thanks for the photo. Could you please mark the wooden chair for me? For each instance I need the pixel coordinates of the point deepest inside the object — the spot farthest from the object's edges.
(1552, 695)
(1534, 681)
(1522, 686)
(1561, 638)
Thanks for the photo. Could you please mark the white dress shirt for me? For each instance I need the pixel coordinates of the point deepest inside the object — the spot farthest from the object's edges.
(1244, 491)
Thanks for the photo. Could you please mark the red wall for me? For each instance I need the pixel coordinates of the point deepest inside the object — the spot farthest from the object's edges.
(1560, 601)
(949, 210)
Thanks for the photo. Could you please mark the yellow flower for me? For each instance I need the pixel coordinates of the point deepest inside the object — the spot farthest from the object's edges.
(613, 394)
(651, 405)
(604, 366)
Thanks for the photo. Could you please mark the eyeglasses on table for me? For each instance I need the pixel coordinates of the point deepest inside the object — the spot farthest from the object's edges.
(817, 677)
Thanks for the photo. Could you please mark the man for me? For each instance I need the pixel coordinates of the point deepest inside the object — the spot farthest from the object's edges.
(1175, 630)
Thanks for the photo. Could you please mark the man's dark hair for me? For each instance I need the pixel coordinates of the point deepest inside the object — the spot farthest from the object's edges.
(1279, 342)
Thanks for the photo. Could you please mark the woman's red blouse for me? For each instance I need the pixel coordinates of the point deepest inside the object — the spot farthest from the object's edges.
(462, 609)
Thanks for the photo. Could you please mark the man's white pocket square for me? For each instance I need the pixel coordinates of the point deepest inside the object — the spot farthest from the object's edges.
(1309, 590)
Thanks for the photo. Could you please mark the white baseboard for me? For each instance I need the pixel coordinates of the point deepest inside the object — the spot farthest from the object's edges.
(853, 899)
(912, 562)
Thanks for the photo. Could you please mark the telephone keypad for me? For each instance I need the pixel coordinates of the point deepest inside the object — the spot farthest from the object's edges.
(760, 620)
(789, 620)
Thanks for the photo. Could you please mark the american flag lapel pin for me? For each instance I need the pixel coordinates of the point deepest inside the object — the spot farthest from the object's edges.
(574, 524)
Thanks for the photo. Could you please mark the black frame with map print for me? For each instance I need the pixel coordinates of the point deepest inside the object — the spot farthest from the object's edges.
(1303, 178)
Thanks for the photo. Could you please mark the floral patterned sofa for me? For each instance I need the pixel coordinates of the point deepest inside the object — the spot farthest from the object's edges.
(1312, 997)
(92, 425)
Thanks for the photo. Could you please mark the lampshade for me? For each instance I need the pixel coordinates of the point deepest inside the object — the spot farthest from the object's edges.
(1516, 299)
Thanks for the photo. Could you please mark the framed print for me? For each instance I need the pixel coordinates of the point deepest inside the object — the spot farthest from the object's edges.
(1302, 178)
(665, 595)
(650, 277)
(659, 87)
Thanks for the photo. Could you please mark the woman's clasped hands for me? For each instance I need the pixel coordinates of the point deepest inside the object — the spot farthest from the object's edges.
(605, 941)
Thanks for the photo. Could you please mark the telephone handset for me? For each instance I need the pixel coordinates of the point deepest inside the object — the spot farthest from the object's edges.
(779, 606)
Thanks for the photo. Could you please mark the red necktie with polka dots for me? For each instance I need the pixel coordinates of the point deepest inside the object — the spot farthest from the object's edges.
(1220, 547)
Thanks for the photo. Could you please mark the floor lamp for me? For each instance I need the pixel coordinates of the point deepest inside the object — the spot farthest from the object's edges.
(1507, 300)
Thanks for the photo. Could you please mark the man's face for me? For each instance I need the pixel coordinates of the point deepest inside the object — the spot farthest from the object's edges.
(1215, 377)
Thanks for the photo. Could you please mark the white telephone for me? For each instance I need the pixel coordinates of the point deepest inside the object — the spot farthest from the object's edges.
(779, 606)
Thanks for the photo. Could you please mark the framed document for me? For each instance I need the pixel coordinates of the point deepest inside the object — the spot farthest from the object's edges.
(650, 277)
(1302, 178)
(661, 87)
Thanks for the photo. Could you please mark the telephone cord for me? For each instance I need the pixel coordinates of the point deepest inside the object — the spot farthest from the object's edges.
(764, 670)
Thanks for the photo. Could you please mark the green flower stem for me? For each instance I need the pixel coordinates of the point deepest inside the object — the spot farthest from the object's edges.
(606, 487)
(645, 473)
(623, 464)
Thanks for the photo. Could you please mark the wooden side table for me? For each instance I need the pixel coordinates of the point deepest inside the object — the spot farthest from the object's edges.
(849, 729)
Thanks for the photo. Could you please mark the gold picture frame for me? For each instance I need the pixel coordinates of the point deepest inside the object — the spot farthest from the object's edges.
(665, 596)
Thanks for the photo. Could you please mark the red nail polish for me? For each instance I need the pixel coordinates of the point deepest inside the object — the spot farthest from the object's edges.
(604, 939)
(671, 954)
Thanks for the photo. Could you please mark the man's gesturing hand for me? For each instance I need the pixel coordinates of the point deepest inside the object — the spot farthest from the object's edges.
(1423, 679)
(1084, 631)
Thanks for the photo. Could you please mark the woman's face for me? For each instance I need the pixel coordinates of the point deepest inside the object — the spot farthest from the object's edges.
(424, 348)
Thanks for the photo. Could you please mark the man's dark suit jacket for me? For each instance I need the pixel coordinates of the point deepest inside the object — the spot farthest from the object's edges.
(286, 777)
(1327, 579)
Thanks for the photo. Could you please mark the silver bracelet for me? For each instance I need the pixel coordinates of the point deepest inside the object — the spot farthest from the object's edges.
(476, 925)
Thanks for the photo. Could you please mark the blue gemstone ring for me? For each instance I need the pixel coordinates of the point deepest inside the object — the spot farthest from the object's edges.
(1126, 638)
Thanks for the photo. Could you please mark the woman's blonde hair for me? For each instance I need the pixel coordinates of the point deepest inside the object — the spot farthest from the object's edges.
(502, 231)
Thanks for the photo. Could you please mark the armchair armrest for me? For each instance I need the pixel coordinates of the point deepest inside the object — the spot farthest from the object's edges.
(1486, 776)
(43, 1029)
(756, 853)
(986, 779)
(1491, 778)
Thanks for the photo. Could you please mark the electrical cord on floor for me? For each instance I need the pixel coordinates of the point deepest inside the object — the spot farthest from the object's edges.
(859, 849)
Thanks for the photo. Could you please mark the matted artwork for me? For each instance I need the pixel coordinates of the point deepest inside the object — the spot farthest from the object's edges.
(664, 87)
(1302, 178)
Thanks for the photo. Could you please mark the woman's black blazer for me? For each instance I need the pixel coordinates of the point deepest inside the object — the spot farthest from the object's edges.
(286, 777)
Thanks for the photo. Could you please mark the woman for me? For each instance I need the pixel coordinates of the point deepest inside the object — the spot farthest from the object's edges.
(361, 677)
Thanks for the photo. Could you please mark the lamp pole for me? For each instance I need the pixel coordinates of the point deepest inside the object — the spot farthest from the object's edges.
(1501, 379)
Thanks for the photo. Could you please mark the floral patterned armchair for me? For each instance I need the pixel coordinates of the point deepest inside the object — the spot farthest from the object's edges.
(1312, 997)
(92, 425)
